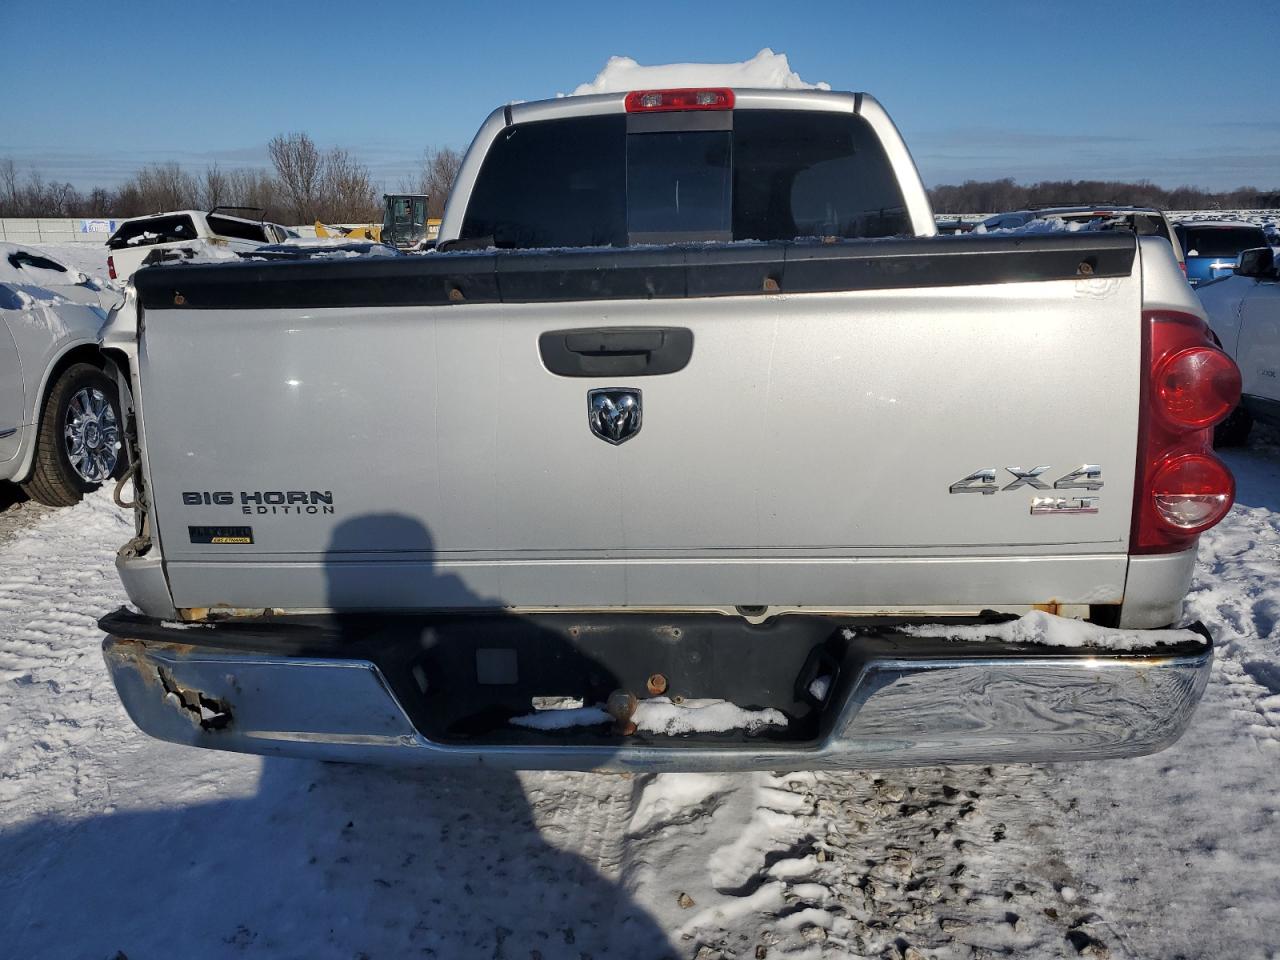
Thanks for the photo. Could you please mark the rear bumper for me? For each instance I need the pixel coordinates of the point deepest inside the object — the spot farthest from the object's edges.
(266, 688)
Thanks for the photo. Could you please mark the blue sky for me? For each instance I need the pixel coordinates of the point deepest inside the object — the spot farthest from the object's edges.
(1173, 92)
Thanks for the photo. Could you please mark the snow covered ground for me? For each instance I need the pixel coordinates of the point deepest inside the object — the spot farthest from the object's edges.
(112, 844)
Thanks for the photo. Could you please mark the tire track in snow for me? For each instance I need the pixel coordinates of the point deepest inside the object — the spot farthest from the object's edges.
(942, 862)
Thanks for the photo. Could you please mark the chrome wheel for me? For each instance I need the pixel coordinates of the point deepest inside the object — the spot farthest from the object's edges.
(92, 434)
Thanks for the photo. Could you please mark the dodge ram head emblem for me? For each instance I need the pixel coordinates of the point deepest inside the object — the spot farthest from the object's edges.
(614, 413)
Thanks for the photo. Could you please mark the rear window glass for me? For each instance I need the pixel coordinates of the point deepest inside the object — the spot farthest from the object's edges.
(238, 229)
(809, 174)
(152, 230)
(1150, 225)
(776, 175)
(678, 186)
(1222, 241)
(559, 183)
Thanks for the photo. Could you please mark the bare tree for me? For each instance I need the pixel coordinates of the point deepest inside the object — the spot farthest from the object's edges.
(993, 196)
(257, 188)
(61, 199)
(298, 168)
(8, 186)
(346, 194)
(98, 202)
(435, 178)
(215, 190)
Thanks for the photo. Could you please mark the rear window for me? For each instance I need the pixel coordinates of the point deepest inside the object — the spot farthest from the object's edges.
(144, 233)
(1151, 225)
(763, 175)
(238, 229)
(1221, 241)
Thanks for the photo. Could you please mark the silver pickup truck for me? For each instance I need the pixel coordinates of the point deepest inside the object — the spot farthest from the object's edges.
(690, 447)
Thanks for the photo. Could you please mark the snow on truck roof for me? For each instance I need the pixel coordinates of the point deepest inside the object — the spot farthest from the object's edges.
(765, 71)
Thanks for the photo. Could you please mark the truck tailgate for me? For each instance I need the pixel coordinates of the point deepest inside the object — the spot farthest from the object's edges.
(412, 449)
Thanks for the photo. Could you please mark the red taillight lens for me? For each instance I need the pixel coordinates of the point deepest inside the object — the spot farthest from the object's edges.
(111, 267)
(1192, 492)
(1197, 387)
(661, 101)
(1188, 386)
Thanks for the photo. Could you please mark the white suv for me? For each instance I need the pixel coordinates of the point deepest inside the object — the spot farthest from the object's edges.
(61, 433)
(186, 230)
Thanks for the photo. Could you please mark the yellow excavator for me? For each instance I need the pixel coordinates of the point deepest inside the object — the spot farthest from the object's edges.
(405, 224)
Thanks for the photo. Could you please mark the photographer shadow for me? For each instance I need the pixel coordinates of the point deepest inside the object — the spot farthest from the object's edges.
(333, 859)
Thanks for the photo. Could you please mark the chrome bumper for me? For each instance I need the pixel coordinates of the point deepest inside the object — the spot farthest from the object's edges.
(894, 712)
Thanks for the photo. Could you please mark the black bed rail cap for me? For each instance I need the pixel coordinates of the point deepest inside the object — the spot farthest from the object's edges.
(636, 273)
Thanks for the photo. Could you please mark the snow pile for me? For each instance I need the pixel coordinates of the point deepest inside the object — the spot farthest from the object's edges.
(766, 70)
(333, 248)
(661, 715)
(665, 716)
(1041, 225)
(562, 719)
(1045, 629)
(199, 252)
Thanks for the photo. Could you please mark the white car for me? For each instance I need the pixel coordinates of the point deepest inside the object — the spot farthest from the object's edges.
(60, 424)
(1144, 221)
(1244, 312)
(190, 232)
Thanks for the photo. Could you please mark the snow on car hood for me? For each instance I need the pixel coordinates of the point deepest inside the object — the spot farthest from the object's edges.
(32, 275)
(765, 70)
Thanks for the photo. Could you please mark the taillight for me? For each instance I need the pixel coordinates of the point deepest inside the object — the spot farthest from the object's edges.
(1192, 491)
(1188, 386)
(661, 101)
(1197, 387)
(111, 267)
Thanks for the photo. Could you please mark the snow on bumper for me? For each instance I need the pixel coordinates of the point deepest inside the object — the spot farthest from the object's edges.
(900, 709)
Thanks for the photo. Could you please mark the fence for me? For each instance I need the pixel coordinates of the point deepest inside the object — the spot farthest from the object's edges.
(59, 230)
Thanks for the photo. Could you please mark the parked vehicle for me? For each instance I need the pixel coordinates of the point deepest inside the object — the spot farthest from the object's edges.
(692, 447)
(1244, 312)
(405, 224)
(1211, 247)
(1144, 221)
(60, 423)
(190, 231)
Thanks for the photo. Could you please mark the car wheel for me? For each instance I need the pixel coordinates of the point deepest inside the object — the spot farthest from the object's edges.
(79, 446)
(1233, 431)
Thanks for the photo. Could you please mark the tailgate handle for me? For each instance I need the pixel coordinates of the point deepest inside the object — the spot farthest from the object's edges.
(616, 351)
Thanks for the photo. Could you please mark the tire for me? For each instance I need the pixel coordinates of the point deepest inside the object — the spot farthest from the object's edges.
(80, 444)
(1233, 431)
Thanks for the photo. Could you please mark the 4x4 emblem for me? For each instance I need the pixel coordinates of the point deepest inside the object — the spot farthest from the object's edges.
(614, 413)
